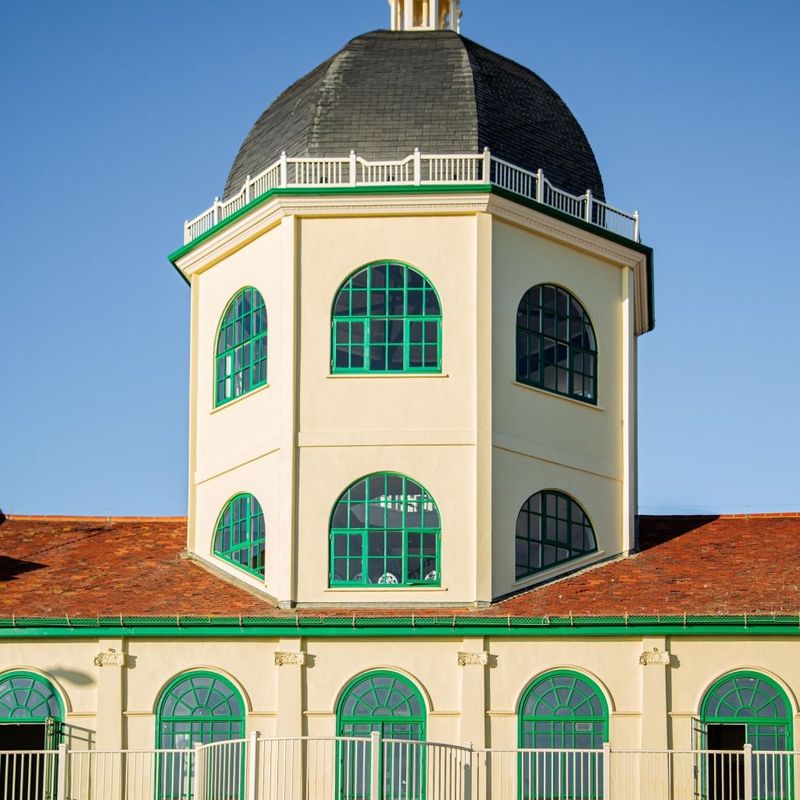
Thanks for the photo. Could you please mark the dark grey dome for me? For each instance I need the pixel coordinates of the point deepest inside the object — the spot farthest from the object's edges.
(387, 92)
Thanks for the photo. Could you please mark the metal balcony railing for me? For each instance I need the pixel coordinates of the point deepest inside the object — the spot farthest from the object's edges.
(418, 169)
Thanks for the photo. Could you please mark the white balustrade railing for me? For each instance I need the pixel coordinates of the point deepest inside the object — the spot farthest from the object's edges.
(361, 768)
(416, 170)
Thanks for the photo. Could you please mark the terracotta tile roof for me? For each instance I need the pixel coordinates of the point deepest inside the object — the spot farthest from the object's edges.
(86, 567)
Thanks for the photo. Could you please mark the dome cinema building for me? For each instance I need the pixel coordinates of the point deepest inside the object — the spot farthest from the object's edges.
(412, 567)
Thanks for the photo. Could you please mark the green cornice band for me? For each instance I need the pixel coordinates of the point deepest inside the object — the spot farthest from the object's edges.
(294, 191)
(397, 627)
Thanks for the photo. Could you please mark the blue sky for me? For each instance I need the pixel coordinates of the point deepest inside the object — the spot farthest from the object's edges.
(120, 119)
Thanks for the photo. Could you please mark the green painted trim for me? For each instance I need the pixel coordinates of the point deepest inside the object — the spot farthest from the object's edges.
(254, 510)
(453, 626)
(35, 676)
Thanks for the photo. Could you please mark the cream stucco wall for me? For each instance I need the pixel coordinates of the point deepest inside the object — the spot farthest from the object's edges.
(650, 706)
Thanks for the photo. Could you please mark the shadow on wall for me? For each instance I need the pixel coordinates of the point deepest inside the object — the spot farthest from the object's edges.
(654, 531)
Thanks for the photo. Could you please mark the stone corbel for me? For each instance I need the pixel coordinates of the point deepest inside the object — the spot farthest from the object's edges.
(290, 659)
(111, 658)
(655, 656)
(479, 659)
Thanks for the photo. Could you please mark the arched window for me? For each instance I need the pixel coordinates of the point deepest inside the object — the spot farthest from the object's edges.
(562, 711)
(241, 356)
(551, 529)
(556, 346)
(755, 704)
(385, 531)
(387, 318)
(390, 704)
(240, 536)
(27, 697)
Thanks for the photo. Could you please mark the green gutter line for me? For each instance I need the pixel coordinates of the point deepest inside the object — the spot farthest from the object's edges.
(396, 627)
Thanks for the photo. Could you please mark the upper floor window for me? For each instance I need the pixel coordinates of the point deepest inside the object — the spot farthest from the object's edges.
(385, 531)
(241, 354)
(556, 345)
(240, 537)
(387, 318)
(551, 529)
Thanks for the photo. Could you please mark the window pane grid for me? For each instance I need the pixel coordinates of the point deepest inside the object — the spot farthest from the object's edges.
(241, 360)
(556, 346)
(240, 535)
(385, 531)
(551, 529)
(386, 318)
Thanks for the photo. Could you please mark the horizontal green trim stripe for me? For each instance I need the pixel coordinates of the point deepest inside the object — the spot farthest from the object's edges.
(399, 627)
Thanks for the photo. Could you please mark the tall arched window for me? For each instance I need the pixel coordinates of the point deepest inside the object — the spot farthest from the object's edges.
(240, 537)
(386, 318)
(241, 353)
(556, 346)
(562, 711)
(391, 705)
(385, 530)
(198, 707)
(551, 529)
(27, 697)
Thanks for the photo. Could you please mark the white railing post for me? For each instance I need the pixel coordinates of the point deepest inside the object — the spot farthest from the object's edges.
(186, 234)
(748, 772)
(353, 168)
(252, 765)
(284, 169)
(606, 771)
(198, 774)
(635, 226)
(375, 754)
(487, 165)
(215, 212)
(587, 212)
(61, 773)
(247, 190)
(417, 167)
(540, 186)
(468, 759)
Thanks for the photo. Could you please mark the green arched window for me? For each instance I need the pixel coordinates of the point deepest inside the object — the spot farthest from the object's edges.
(556, 345)
(385, 531)
(240, 537)
(562, 710)
(27, 697)
(391, 705)
(551, 529)
(755, 701)
(199, 707)
(241, 353)
(386, 318)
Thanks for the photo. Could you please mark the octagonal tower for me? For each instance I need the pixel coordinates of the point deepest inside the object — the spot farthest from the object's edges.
(413, 334)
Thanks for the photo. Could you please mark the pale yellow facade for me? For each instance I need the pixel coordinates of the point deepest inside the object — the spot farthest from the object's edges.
(478, 441)
(650, 706)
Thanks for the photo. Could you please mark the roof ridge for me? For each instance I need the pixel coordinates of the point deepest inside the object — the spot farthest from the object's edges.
(92, 518)
(712, 516)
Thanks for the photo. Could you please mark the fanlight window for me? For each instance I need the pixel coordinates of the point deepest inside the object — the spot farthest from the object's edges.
(556, 346)
(387, 318)
(390, 704)
(240, 537)
(562, 711)
(385, 531)
(241, 356)
(26, 697)
(551, 529)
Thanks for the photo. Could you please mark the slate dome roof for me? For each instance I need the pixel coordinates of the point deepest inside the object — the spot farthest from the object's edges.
(387, 92)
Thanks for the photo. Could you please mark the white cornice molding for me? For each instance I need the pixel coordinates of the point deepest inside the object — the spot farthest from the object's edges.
(283, 659)
(111, 658)
(655, 657)
(473, 659)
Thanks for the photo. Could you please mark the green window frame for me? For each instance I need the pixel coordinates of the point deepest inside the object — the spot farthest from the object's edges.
(556, 345)
(551, 529)
(385, 531)
(241, 349)
(198, 707)
(26, 697)
(386, 318)
(390, 704)
(562, 710)
(240, 537)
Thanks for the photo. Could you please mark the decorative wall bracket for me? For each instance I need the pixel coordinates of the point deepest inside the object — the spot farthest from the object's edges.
(479, 659)
(111, 658)
(289, 659)
(655, 656)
